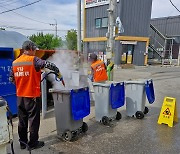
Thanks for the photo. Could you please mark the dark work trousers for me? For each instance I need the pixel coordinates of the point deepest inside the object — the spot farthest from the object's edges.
(28, 111)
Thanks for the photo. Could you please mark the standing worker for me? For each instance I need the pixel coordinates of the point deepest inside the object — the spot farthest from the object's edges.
(98, 69)
(26, 74)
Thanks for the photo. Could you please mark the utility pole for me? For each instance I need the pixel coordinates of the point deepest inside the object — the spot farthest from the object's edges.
(55, 26)
(111, 32)
(79, 26)
(79, 30)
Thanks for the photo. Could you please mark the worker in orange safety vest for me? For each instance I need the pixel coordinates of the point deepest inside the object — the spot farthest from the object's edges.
(26, 74)
(98, 69)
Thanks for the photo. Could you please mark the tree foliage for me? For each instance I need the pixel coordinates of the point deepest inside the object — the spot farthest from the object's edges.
(46, 41)
(71, 39)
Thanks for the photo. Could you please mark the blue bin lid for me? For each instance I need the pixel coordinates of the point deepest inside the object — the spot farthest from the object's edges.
(150, 91)
(80, 103)
(117, 95)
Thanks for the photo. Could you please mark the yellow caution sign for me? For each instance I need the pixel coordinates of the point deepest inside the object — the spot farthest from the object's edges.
(168, 112)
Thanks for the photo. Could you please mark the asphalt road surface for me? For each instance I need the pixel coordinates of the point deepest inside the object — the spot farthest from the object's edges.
(127, 136)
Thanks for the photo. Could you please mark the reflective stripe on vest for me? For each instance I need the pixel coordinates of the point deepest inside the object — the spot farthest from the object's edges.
(99, 71)
(27, 80)
(22, 63)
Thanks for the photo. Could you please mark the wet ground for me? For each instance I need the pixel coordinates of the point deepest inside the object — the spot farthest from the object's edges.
(127, 136)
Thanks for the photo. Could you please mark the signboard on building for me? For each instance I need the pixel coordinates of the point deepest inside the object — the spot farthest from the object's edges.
(129, 42)
(94, 3)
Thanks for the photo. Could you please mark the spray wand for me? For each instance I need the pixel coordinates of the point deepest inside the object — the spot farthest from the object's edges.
(58, 77)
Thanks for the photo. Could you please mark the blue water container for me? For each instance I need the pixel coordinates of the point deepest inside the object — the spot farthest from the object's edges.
(150, 91)
(7, 89)
(117, 95)
(80, 103)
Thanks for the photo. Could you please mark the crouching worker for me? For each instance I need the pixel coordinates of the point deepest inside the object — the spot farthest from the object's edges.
(98, 69)
(26, 74)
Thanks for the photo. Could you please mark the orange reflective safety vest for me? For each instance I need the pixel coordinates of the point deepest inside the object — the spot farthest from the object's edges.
(27, 79)
(99, 71)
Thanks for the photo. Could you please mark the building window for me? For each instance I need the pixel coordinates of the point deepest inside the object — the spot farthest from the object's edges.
(104, 22)
(98, 22)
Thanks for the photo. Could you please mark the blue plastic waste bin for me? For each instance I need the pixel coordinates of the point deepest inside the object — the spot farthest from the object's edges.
(71, 106)
(7, 89)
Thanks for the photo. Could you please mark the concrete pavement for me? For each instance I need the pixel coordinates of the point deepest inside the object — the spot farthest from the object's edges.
(127, 136)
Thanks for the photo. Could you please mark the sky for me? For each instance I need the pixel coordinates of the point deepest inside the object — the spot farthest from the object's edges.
(63, 12)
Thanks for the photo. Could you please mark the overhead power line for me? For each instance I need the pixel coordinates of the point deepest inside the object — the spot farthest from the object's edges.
(34, 29)
(174, 6)
(4, 1)
(9, 2)
(29, 17)
(20, 7)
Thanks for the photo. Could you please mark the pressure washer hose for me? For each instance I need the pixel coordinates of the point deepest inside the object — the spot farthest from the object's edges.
(56, 77)
(10, 113)
(11, 140)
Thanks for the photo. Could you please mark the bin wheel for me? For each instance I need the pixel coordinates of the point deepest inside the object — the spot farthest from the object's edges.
(105, 120)
(67, 135)
(118, 116)
(84, 127)
(75, 135)
(139, 115)
(146, 110)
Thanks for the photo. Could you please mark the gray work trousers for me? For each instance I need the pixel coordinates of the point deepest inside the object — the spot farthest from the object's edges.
(28, 114)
